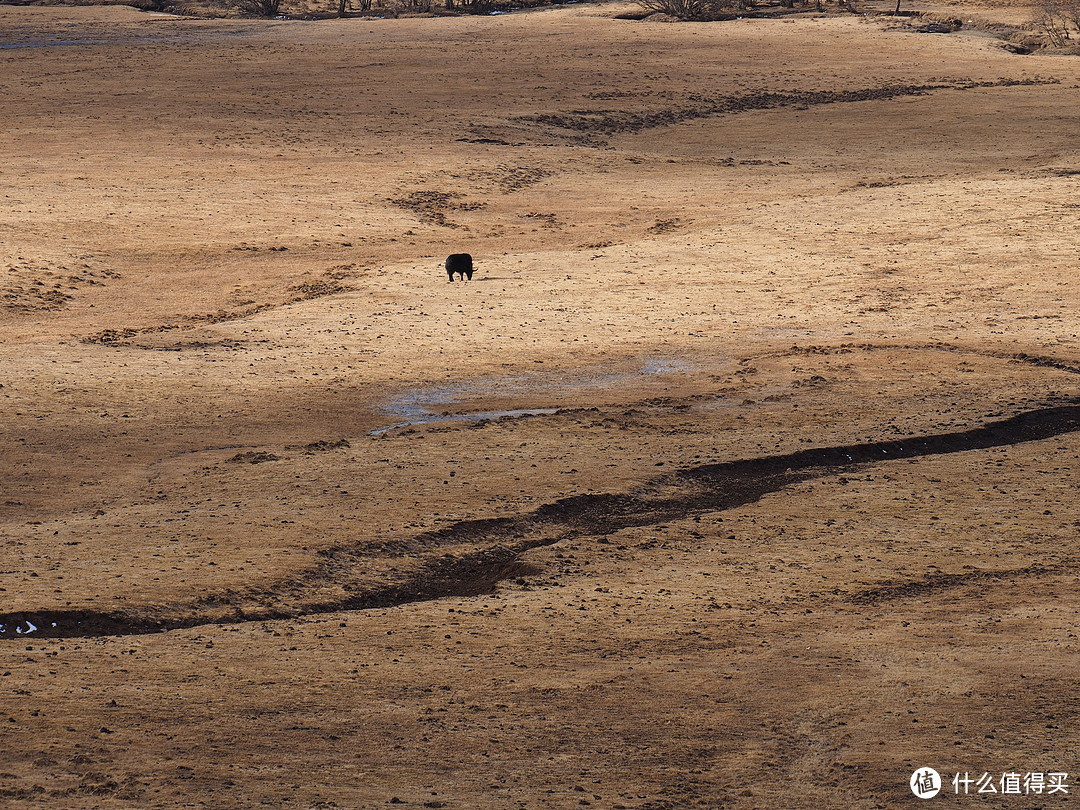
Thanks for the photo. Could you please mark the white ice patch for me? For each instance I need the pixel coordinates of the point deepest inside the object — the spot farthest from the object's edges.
(420, 406)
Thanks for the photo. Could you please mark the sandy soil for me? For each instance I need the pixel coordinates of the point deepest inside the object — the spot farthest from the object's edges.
(743, 473)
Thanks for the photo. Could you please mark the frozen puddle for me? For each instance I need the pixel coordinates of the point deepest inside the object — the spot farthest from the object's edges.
(419, 406)
(666, 366)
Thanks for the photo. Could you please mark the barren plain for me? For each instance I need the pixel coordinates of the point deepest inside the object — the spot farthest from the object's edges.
(743, 474)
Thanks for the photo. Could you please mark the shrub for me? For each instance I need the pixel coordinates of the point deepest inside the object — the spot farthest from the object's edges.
(476, 6)
(260, 8)
(696, 9)
(1055, 17)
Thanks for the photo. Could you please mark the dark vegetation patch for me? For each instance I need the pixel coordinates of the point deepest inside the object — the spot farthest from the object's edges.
(318, 288)
(939, 581)
(41, 286)
(323, 446)
(253, 457)
(433, 206)
(509, 179)
(612, 122)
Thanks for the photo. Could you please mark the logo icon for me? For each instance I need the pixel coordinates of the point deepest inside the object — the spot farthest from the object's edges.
(925, 783)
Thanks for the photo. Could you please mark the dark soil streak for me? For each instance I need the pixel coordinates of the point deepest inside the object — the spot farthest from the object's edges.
(706, 488)
(937, 582)
(610, 122)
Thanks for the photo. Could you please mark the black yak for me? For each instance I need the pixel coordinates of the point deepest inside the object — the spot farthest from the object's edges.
(460, 263)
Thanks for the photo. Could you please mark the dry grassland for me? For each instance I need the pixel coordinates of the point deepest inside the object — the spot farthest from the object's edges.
(743, 474)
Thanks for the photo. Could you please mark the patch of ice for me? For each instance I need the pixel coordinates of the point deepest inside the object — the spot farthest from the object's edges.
(416, 407)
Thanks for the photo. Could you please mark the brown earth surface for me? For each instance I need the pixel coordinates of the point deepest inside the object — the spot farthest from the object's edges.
(743, 473)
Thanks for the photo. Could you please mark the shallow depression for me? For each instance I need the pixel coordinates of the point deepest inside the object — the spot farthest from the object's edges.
(417, 406)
